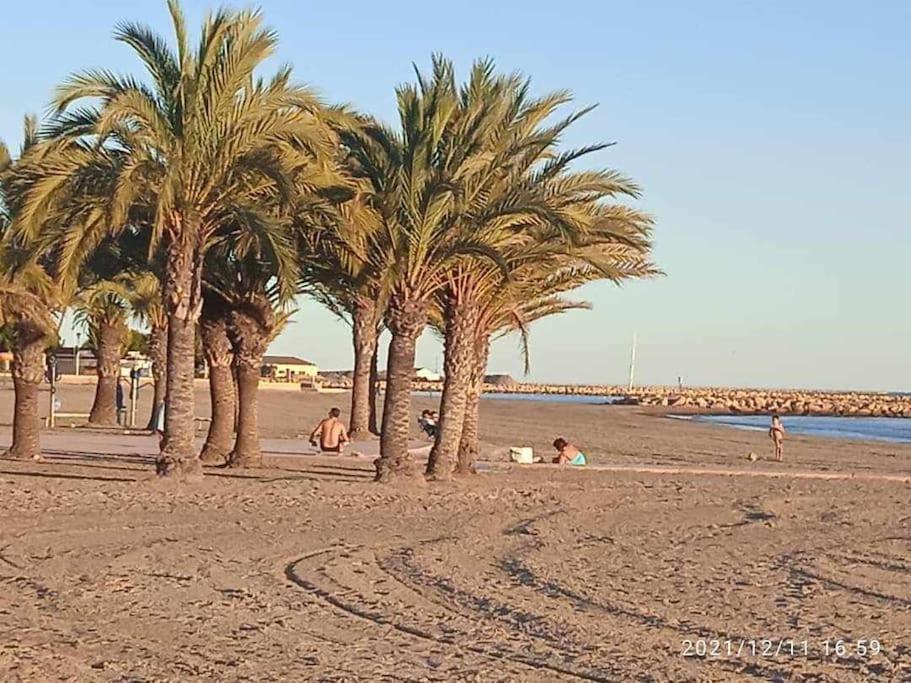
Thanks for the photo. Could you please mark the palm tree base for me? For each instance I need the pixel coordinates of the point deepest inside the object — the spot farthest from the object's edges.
(18, 454)
(245, 460)
(394, 469)
(438, 476)
(174, 466)
(362, 435)
(213, 455)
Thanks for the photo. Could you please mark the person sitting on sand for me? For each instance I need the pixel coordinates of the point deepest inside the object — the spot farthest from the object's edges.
(568, 454)
(428, 423)
(776, 434)
(332, 433)
(159, 426)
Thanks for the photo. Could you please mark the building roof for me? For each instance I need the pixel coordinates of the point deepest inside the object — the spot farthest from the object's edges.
(285, 360)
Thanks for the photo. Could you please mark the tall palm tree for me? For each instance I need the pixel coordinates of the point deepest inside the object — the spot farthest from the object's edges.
(148, 306)
(524, 203)
(197, 144)
(537, 290)
(418, 190)
(255, 281)
(216, 343)
(103, 308)
(339, 272)
(31, 297)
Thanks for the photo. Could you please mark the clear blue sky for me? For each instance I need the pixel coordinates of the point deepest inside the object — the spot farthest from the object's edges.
(771, 138)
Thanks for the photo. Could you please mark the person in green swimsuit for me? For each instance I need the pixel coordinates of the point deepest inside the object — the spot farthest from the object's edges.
(567, 454)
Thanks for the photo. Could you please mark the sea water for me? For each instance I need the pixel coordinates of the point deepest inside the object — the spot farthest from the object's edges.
(892, 429)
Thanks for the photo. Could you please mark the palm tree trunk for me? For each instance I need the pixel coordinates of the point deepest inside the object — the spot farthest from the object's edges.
(365, 319)
(459, 369)
(158, 351)
(28, 373)
(236, 385)
(110, 338)
(406, 322)
(183, 300)
(374, 381)
(250, 329)
(217, 348)
(469, 445)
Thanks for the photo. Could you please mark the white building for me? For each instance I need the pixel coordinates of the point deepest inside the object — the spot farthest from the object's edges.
(427, 375)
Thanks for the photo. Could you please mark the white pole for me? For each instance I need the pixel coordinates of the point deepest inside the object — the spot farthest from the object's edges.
(632, 363)
(78, 348)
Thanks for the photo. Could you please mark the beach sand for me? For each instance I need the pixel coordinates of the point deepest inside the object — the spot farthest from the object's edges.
(309, 571)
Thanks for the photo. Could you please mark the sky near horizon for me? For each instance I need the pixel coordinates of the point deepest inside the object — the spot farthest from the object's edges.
(771, 140)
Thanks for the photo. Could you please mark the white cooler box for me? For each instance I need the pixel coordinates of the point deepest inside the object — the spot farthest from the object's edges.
(522, 455)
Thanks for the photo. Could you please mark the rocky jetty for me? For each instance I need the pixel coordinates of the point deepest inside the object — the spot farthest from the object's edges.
(783, 402)
(713, 400)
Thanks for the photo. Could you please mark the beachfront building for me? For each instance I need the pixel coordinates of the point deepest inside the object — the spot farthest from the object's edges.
(289, 369)
(426, 375)
(73, 361)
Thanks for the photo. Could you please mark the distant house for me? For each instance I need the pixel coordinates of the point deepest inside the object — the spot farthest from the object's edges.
(6, 361)
(88, 364)
(427, 375)
(288, 369)
(67, 357)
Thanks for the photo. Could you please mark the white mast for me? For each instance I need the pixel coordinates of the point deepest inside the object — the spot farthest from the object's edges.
(632, 363)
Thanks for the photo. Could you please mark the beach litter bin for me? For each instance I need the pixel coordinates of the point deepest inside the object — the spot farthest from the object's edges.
(522, 455)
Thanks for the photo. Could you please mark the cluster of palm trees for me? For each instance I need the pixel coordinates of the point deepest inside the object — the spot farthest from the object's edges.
(203, 198)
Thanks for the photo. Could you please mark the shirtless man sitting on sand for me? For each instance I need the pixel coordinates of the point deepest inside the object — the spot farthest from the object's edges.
(776, 434)
(332, 433)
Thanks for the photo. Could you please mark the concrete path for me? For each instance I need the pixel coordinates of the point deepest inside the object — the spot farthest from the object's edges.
(117, 442)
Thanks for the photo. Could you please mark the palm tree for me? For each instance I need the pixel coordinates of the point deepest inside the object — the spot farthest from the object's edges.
(102, 308)
(339, 272)
(197, 144)
(526, 205)
(254, 282)
(216, 343)
(148, 307)
(31, 298)
(534, 291)
(419, 190)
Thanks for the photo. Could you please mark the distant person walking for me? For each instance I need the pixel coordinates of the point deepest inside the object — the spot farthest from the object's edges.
(776, 434)
(331, 432)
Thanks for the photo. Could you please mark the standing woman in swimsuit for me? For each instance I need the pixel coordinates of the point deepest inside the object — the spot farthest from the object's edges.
(776, 434)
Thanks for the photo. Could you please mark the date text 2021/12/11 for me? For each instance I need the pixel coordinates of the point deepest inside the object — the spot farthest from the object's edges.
(718, 648)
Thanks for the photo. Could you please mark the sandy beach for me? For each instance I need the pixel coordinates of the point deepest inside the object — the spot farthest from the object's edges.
(307, 570)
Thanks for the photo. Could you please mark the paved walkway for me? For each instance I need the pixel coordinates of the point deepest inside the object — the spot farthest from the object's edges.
(116, 442)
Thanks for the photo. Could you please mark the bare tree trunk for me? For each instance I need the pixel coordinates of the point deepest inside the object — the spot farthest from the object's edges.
(236, 385)
(374, 381)
(469, 444)
(158, 351)
(250, 329)
(406, 321)
(183, 300)
(364, 319)
(111, 335)
(459, 369)
(28, 373)
(217, 348)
